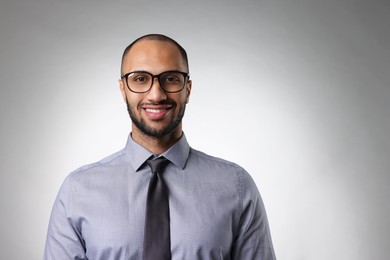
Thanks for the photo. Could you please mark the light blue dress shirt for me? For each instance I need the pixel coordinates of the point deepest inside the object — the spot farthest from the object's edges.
(215, 208)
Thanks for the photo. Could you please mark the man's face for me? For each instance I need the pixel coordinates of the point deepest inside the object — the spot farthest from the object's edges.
(155, 113)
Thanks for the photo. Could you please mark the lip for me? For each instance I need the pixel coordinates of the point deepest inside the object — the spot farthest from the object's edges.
(157, 112)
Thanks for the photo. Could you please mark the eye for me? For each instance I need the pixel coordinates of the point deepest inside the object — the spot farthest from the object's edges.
(172, 78)
(139, 78)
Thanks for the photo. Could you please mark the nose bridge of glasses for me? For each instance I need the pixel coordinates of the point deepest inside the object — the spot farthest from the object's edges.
(160, 85)
(156, 91)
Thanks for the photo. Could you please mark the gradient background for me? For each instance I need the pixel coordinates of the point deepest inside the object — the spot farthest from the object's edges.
(297, 92)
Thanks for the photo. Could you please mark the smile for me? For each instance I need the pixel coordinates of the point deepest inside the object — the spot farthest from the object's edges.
(157, 112)
(151, 110)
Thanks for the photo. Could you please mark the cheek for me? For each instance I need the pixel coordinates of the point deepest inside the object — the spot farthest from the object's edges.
(182, 99)
(132, 100)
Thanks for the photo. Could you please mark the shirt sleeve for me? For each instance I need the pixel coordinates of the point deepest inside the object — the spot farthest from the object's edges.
(253, 239)
(63, 240)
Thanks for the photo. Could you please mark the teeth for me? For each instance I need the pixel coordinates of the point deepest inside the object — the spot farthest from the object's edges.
(155, 110)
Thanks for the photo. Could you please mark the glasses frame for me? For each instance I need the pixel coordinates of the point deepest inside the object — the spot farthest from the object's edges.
(185, 74)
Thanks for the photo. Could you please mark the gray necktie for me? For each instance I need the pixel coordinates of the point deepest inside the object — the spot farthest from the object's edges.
(157, 243)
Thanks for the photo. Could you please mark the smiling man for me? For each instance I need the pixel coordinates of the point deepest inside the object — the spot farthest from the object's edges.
(156, 107)
(158, 198)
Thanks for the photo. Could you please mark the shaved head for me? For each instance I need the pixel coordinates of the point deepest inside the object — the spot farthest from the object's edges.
(156, 37)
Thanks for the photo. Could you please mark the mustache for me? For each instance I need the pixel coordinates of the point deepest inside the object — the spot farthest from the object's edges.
(163, 102)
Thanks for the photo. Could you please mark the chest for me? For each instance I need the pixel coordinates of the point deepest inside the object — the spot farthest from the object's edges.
(203, 216)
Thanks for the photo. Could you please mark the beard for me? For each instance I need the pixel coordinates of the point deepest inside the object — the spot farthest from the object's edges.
(149, 131)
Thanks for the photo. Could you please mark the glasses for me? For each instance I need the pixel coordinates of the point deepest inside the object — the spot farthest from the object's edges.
(142, 81)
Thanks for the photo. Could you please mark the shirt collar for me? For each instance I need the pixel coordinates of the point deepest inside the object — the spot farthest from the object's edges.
(177, 153)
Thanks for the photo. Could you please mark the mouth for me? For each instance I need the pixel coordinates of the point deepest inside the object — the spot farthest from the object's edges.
(157, 112)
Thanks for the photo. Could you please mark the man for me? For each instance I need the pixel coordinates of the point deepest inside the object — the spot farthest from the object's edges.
(208, 208)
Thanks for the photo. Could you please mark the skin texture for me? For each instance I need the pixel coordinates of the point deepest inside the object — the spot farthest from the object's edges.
(156, 115)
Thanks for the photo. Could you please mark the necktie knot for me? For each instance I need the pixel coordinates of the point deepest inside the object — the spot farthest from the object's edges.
(158, 164)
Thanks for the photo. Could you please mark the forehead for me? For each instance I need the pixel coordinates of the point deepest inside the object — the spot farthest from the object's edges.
(153, 56)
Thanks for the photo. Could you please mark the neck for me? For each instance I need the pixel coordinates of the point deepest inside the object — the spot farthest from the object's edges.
(156, 145)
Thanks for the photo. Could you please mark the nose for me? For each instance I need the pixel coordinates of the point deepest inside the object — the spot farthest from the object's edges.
(156, 93)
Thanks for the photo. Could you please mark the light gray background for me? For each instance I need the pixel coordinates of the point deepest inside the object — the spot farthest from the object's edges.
(295, 91)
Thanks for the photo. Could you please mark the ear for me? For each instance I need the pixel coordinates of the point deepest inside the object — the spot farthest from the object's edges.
(188, 89)
(122, 89)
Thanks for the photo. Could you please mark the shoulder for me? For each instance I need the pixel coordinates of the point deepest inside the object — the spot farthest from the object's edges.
(216, 164)
(202, 156)
(113, 160)
(206, 158)
(224, 171)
